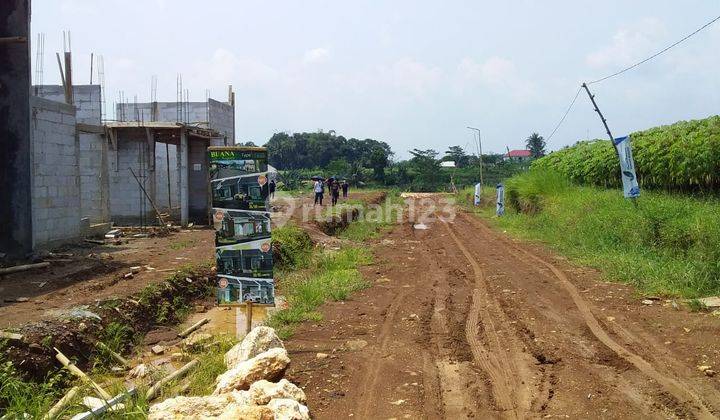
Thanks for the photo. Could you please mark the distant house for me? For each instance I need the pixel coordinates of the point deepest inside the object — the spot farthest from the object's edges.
(517, 156)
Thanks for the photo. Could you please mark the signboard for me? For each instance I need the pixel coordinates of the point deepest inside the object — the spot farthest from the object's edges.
(631, 189)
(243, 249)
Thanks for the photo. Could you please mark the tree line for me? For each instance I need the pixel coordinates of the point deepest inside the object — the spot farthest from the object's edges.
(300, 155)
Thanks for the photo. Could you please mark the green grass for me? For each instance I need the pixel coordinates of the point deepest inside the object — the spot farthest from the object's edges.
(666, 245)
(332, 275)
(375, 219)
(182, 244)
(292, 247)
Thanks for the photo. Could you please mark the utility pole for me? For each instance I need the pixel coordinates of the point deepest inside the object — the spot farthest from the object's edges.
(479, 151)
(607, 129)
(602, 118)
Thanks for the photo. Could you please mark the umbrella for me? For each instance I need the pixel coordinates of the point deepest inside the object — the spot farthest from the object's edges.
(316, 178)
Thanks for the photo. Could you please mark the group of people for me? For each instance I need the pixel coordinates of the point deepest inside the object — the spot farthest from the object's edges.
(333, 186)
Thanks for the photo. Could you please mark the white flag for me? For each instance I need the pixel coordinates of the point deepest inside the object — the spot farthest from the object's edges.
(631, 188)
(478, 191)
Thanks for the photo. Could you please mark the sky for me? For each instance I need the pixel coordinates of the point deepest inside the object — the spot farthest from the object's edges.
(414, 74)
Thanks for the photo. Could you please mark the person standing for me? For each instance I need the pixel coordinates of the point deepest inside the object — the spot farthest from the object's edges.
(345, 187)
(272, 188)
(319, 189)
(335, 191)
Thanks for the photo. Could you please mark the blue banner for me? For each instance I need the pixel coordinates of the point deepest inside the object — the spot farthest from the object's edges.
(631, 188)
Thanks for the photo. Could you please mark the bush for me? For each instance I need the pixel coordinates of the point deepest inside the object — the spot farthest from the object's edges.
(292, 247)
(682, 156)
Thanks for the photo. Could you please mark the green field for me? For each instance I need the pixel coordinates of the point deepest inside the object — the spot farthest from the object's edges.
(668, 244)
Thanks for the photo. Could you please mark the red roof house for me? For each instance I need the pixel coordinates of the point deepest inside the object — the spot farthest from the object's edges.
(517, 155)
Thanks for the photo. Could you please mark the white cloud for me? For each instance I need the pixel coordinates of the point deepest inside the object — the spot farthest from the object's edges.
(410, 76)
(225, 67)
(496, 73)
(629, 44)
(315, 55)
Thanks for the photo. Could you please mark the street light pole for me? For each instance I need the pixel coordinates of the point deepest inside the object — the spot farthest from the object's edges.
(479, 144)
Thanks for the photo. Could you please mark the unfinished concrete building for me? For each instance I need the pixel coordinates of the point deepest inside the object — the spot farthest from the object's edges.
(65, 170)
(165, 143)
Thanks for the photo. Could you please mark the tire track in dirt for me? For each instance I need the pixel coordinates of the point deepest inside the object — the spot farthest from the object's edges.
(512, 380)
(688, 400)
(371, 378)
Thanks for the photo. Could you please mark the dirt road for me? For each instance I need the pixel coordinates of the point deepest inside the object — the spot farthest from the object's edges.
(463, 322)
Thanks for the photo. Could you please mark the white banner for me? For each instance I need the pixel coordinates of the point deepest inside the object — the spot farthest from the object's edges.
(631, 189)
(478, 191)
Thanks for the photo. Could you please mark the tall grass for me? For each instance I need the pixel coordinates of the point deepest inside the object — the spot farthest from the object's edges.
(333, 275)
(667, 244)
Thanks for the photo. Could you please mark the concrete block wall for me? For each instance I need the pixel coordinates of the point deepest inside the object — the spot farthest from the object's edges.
(218, 115)
(161, 178)
(128, 204)
(55, 173)
(222, 119)
(86, 98)
(94, 188)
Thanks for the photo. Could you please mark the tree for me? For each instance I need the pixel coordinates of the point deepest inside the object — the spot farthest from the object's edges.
(457, 155)
(536, 144)
(378, 160)
(426, 168)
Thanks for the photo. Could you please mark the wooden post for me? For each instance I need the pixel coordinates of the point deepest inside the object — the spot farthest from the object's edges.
(248, 316)
(194, 327)
(57, 408)
(114, 355)
(153, 391)
(80, 374)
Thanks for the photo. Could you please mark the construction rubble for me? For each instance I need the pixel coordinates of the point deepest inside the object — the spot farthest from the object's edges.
(252, 387)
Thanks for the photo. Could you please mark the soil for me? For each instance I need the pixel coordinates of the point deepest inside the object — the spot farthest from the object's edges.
(87, 273)
(463, 322)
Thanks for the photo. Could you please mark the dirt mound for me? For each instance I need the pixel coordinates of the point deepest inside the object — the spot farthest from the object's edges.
(77, 331)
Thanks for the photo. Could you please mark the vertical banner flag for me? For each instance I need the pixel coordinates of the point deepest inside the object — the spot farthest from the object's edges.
(478, 191)
(500, 200)
(240, 203)
(631, 189)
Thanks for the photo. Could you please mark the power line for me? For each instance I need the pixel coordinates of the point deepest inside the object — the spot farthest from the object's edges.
(565, 115)
(656, 54)
(572, 103)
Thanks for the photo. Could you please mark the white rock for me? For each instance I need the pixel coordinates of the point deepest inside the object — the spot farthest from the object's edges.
(247, 412)
(259, 340)
(269, 365)
(261, 392)
(197, 339)
(197, 407)
(287, 409)
(711, 302)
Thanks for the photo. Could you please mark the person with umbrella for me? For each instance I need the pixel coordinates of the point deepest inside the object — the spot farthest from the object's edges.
(319, 188)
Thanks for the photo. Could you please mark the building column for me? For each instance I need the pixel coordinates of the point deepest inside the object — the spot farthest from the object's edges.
(184, 187)
(16, 235)
(150, 184)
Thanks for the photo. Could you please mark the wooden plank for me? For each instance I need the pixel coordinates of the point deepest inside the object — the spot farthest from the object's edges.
(194, 327)
(12, 39)
(70, 366)
(18, 268)
(155, 389)
(11, 336)
(90, 128)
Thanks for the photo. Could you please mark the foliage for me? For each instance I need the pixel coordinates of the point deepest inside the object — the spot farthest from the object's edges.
(292, 247)
(668, 245)
(683, 156)
(333, 275)
(313, 150)
(19, 397)
(457, 154)
(536, 144)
